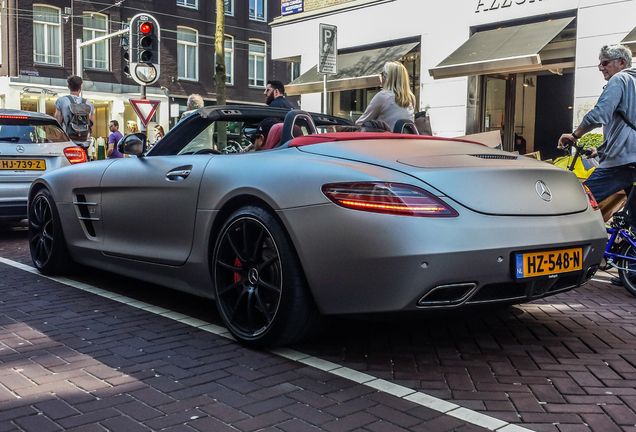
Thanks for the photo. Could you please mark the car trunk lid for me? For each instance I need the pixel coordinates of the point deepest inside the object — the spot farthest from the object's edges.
(480, 178)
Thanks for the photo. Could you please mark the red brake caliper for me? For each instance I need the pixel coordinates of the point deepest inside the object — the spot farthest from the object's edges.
(237, 263)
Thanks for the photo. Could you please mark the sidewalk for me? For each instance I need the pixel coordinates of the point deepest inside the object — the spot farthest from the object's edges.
(76, 361)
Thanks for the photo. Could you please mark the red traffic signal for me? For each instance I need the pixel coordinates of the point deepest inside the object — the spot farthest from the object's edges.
(145, 28)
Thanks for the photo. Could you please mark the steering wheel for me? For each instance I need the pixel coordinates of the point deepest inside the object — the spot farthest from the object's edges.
(232, 147)
(206, 151)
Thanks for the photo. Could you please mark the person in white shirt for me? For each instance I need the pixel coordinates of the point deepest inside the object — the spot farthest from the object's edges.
(395, 101)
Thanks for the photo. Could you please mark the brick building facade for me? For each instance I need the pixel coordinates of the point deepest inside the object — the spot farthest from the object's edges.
(37, 52)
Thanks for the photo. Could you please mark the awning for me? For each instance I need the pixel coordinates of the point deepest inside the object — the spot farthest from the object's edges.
(507, 49)
(355, 70)
(630, 40)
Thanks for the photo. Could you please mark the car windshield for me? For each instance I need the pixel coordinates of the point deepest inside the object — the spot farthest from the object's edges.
(32, 133)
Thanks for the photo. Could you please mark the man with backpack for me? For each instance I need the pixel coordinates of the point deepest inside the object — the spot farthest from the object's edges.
(75, 114)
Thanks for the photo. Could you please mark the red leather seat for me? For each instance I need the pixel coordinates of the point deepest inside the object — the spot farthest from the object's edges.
(273, 138)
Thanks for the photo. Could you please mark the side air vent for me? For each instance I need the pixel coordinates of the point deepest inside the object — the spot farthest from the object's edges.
(495, 156)
(84, 209)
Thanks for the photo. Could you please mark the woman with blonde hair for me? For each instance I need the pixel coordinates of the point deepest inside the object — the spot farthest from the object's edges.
(132, 126)
(395, 101)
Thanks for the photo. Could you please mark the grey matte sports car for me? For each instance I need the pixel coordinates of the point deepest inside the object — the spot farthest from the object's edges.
(321, 224)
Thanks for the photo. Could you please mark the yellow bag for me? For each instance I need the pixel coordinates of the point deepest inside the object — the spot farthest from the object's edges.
(583, 167)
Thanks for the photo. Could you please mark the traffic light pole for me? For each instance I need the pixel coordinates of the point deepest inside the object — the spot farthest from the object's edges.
(79, 45)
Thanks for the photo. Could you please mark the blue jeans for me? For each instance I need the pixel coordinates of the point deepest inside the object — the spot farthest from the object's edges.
(604, 182)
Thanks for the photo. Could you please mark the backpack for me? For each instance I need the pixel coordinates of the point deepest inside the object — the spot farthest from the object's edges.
(79, 124)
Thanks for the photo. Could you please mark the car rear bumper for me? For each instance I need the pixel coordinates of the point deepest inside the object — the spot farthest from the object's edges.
(360, 262)
(13, 210)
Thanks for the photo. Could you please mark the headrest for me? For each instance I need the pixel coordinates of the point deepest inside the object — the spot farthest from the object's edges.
(273, 138)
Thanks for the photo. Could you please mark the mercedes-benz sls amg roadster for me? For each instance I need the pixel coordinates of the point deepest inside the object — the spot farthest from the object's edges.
(322, 222)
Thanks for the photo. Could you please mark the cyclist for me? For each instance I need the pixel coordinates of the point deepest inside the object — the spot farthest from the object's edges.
(616, 112)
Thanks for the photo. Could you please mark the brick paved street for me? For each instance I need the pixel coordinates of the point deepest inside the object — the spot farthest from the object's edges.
(71, 360)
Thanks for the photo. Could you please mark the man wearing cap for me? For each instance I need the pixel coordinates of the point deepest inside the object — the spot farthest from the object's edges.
(259, 137)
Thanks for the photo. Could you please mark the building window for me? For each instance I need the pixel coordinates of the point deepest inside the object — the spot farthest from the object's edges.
(187, 53)
(257, 10)
(188, 3)
(229, 60)
(293, 71)
(96, 55)
(47, 35)
(256, 74)
(229, 7)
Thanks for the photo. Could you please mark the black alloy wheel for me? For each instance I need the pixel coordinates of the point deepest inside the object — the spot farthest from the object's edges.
(260, 288)
(46, 240)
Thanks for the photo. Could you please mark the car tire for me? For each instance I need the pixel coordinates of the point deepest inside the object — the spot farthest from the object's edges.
(46, 239)
(627, 270)
(260, 288)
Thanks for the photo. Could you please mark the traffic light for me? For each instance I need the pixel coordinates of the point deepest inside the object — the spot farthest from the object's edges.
(144, 38)
(124, 42)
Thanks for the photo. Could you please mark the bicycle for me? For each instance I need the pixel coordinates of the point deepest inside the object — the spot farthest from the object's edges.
(620, 252)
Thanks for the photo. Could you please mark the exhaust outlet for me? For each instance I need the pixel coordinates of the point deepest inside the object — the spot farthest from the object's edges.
(447, 294)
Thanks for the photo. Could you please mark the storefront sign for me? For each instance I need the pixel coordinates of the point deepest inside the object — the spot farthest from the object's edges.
(328, 52)
(288, 7)
(29, 73)
(489, 5)
(38, 91)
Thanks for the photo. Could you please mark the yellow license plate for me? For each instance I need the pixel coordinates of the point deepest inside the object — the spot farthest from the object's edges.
(548, 263)
(22, 164)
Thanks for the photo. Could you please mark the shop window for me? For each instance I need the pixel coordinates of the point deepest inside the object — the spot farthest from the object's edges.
(256, 66)
(29, 103)
(96, 55)
(257, 10)
(47, 35)
(188, 3)
(187, 53)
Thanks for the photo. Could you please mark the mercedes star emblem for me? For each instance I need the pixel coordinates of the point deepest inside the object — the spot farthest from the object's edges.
(543, 191)
(19, 149)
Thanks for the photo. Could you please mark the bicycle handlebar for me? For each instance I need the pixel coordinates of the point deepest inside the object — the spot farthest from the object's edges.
(580, 150)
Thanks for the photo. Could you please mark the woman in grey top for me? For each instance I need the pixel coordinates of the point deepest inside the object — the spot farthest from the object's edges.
(395, 101)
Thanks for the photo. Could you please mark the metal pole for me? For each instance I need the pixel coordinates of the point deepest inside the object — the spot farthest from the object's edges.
(324, 87)
(78, 59)
(142, 93)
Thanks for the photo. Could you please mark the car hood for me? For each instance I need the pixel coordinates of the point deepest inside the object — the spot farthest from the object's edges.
(480, 178)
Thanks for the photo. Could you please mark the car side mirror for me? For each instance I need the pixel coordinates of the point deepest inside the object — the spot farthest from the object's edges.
(133, 144)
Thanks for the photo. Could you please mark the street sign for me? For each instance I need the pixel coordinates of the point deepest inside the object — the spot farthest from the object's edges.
(145, 109)
(288, 7)
(328, 55)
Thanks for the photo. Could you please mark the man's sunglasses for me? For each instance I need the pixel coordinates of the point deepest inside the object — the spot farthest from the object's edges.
(604, 63)
(253, 137)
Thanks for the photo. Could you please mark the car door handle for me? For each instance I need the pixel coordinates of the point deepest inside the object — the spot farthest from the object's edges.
(179, 174)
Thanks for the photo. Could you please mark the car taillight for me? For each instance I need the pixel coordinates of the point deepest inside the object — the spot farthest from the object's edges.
(593, 202)
(13, 117)
(75, 155)
(389, 198)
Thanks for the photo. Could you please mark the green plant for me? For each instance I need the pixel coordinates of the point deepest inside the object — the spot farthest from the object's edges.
(591, 140)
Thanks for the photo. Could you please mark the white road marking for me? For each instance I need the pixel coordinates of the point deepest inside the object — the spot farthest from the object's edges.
(384, 386)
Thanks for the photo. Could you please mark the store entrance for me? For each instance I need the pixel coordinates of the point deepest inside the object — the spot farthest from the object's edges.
(555, 94)
(529, 110)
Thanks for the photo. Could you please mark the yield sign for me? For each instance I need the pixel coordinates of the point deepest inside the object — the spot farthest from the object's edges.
(144, 109)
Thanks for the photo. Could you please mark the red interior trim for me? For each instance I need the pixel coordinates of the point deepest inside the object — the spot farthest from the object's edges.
(356, 136)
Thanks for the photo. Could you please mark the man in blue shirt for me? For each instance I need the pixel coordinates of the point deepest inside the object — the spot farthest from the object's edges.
(616, 112)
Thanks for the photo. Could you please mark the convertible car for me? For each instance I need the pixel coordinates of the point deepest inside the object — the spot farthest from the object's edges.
(323, 222)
